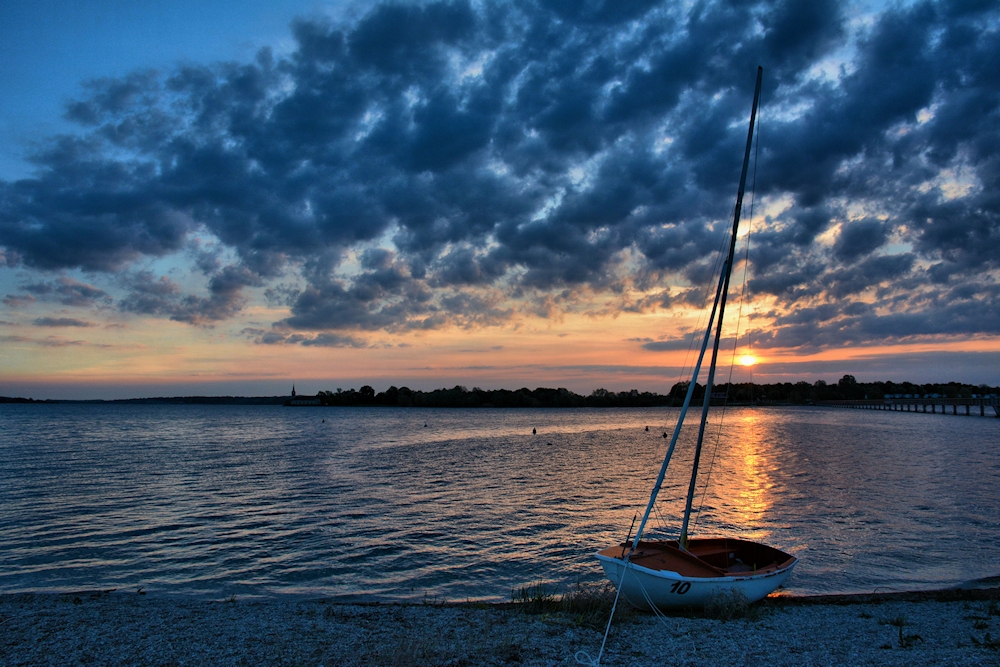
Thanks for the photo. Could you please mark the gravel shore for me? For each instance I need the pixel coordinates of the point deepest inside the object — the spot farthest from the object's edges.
(122, 628)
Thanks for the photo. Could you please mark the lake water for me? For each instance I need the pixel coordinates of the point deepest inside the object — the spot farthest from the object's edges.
(369, 503)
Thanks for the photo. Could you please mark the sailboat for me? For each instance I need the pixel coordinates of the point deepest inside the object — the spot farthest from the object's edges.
(688, 572)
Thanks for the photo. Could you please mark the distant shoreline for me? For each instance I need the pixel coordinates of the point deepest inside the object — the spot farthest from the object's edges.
(283, 400)
(734, 394)
(174, 400)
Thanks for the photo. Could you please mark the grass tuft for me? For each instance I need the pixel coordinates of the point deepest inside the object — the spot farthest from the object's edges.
(987, 642)
(729, 603)
(585, 605)
(432, 601)
(534, 599)
(589, 605)
(905, 640)
(898, 621)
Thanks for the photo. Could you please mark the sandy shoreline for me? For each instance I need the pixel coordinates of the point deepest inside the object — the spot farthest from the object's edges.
(124, 628)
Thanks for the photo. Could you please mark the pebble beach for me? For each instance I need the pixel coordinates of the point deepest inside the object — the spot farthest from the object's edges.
(129, 628)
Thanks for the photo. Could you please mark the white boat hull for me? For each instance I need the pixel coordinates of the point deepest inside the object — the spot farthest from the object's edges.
(645, 588)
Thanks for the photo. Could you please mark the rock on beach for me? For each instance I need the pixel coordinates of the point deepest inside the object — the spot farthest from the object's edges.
(121, 628)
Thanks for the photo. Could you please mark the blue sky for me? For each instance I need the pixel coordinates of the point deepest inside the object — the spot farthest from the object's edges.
(491, 193)
(50, 47)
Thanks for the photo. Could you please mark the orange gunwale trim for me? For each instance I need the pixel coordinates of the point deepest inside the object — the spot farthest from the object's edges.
(706, 558)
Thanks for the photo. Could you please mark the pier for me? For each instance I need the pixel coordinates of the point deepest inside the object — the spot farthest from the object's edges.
(953, 406)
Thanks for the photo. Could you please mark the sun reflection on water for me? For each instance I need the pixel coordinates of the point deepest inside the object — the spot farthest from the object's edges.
(753, 496)
(739, 484)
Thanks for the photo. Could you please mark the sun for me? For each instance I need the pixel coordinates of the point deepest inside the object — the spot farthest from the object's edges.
(748, 360)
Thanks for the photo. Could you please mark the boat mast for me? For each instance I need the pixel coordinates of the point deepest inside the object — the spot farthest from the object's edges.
(727, 270)
(680, 422)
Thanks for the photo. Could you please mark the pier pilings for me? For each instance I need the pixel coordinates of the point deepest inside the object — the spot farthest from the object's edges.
(922, 405)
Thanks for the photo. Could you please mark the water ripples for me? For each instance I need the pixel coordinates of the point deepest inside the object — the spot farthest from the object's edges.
(373, 504)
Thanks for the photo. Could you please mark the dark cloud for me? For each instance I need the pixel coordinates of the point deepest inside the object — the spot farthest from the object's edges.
(531, 154)
(48, 341)
(150, 296)
(283, 336)
(936, 365)
(69, 292)
(162, 297)
(282, 295)
(61, 322)
(869, 274)
(9, 258)
(207, 259)
(973, 311)
(18, 301)
(664, 345)
(859, 238)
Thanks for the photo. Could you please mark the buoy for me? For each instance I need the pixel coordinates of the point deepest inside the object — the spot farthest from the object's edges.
(425, 424)
(647, 429)
(664, 434)
(534, 432)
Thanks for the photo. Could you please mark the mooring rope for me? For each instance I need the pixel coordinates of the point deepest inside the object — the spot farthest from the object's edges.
(581, 656)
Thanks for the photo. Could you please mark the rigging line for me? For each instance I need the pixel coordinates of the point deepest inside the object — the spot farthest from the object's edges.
(659, 515)
(693, 336)
(720, 306)
(720, 257)
(659, 615)
(746, 261)
(736, 337)
(733, 237)
(581, 656)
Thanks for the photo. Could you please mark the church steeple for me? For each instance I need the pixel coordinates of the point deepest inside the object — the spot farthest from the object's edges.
(293, 391)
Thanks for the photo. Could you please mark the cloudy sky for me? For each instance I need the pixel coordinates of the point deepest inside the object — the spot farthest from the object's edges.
(226, 200)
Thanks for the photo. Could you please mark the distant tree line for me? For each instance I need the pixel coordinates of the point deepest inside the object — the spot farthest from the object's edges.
(461, 397)
(849, 389)
(744, 393)
(164, 400)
